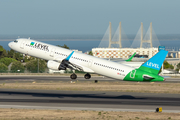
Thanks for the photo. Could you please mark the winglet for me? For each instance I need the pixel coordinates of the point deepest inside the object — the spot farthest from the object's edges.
(131, 57)
(68, 57)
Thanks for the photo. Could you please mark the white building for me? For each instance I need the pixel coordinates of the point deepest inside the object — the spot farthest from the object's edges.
(123, 52)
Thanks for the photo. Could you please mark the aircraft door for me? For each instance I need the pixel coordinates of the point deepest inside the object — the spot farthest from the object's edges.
(22, 44)
(90, 63)
(52, 52)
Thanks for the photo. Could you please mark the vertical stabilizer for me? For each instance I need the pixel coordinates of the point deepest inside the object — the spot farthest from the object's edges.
(153, 65)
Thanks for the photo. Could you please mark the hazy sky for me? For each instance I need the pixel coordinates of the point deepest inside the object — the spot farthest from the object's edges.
(87, 16)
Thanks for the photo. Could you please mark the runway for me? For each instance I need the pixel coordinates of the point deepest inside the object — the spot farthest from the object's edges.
(12, 78)
(79, 100)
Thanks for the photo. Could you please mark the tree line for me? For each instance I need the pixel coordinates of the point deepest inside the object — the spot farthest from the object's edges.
(19, 62)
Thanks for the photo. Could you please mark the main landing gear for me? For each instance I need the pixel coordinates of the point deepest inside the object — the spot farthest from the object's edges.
(73, 76)
(86, 76)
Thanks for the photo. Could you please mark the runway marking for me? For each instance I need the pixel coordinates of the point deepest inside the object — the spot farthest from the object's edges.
(81, 108)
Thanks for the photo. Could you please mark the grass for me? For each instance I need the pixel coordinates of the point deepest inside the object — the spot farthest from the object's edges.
(142, 87)
(32, 114)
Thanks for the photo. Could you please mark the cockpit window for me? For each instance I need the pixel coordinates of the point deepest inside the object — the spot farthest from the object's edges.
(15, 41)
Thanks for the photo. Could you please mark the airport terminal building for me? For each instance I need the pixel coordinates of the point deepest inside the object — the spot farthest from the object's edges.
(123, 52)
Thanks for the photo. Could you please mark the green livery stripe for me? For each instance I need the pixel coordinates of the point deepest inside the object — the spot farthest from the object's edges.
(133, 76)
(150, 70)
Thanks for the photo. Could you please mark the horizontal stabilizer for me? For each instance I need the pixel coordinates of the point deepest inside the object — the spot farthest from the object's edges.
(147, 77)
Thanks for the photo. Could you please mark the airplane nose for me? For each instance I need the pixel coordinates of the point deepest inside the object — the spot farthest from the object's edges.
(10, 44)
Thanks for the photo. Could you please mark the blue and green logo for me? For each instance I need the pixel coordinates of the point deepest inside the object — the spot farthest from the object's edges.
(39, 46)
(32, 43)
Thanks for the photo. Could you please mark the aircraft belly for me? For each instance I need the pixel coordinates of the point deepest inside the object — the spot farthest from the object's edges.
(113, 73)
(110, 73)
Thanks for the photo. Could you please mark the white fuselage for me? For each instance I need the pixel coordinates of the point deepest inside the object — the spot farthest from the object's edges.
(89, 63)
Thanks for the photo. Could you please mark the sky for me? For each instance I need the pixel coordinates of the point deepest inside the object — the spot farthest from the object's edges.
(87, 17)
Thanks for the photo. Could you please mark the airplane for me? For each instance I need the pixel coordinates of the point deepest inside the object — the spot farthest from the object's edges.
(129, 59)
(61, 59)
(127, 62)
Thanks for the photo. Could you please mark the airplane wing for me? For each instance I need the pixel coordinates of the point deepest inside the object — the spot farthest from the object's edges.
(73, 66)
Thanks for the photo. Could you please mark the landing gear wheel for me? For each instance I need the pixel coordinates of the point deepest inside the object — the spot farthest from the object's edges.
(73, 76)
(87, 76)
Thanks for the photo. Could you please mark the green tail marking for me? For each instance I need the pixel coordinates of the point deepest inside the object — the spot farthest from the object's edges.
(153, 65)
(142, 76)
(149, 70)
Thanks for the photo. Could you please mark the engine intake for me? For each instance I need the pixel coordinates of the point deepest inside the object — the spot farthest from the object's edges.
(55, 65)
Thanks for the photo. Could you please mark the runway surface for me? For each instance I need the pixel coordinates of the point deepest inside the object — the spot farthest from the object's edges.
(11, 78)
(78, 100)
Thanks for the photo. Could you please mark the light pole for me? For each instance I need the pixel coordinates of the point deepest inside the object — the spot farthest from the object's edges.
(38, 65)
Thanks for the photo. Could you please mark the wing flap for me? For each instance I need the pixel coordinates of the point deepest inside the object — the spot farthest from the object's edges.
(72, 65)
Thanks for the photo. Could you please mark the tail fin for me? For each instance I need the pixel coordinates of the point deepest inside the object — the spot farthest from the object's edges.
(131, 57)
(153, 65)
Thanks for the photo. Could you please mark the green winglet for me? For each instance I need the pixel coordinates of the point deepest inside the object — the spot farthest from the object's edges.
(131, 57)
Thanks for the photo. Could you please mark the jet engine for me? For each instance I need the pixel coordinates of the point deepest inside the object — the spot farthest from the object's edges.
(54, 65)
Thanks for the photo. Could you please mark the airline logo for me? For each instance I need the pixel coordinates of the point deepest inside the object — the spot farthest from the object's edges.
(40, 46)
(153, 65)
(32, 43)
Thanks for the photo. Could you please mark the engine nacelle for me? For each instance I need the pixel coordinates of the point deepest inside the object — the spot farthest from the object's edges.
(53, 65)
